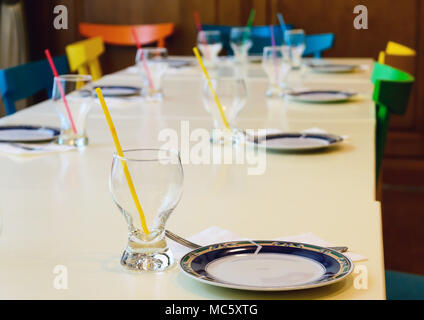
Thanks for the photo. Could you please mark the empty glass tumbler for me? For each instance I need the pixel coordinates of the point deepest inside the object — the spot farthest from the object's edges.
(73, 97)
(276, 64)
(152, 69)
(241, 42)
(157, 179)
(210, 44)
(295, 40)
(232, 94)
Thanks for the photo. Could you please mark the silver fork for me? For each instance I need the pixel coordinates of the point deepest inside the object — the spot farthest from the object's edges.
(25, 147)
(193, 245)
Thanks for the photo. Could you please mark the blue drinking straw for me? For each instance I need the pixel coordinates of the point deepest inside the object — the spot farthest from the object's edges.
(282, 24)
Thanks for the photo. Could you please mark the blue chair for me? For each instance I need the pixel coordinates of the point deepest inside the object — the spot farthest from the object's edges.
(261, 36)
(317, 43)
(404, 286)
(24, 81)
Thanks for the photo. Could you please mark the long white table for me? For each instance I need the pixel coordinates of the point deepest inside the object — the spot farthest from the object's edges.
(57, 210)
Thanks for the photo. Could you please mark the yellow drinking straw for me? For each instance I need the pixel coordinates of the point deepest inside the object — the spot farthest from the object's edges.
(124, 164)
(221, 111)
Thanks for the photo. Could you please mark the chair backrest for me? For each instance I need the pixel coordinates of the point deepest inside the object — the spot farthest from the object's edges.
(399, 49)
(24, 81)
(261, 36)
(392, 89)
(83, 56)
(122, 35)
(317, 43)
(398, 56)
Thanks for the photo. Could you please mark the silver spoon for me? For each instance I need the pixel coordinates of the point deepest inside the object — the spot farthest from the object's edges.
(193, 245)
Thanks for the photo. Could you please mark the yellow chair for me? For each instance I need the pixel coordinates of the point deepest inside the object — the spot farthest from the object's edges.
(83, 56)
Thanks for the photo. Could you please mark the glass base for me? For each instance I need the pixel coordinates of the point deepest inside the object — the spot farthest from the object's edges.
(224, 136)
(153, 261)
(79, 142)
(277, 91)
(154, 96)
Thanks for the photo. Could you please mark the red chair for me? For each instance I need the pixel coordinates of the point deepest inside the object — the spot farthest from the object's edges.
(122, 35)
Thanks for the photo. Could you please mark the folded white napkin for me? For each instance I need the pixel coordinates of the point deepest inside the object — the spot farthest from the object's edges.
(215, 234)
(28, 149)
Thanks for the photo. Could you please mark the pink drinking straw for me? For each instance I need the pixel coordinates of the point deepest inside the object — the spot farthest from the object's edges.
(146, 67)
(62, 92)
(199, 29)
(274, 53)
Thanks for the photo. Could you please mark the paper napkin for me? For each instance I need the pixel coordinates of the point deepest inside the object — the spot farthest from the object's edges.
(215, 234)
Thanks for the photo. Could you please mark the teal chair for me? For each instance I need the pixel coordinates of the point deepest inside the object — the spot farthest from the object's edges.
(317, 43)
(392, 89)
(404, 286)
(26, 80)
(261, 36)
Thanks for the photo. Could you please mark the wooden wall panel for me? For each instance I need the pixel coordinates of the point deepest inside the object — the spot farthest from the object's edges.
(185, 36)
(388, 20)
(229, 12)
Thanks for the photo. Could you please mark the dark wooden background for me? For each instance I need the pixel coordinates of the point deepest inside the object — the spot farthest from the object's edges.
(403, 192)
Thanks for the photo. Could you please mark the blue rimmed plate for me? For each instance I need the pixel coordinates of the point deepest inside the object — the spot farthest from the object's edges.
(321, 96)
(297, 141)
(332, 68)
(278, 266)
(120, 91)
(28, 133)
(178, 63)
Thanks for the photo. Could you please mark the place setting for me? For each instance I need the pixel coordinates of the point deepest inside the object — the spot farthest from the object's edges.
(72, 97)
(309, 140)
(219, 257)
(321, 96)
(232, 93)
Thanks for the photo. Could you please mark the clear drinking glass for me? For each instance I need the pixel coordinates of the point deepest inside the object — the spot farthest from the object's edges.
(295, 39)
(241, 42)
(157, 176)
(276, 64)
(78, 92)
(152, 70)
(210, 44)
(232, 94)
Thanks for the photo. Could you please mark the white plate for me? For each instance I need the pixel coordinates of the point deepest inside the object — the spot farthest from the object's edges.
(321, 96)
(277, 266)
(120, 91)
(332, 68)
(296, 141)
(27, 133)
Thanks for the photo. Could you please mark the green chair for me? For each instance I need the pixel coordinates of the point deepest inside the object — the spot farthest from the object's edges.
(391, 96)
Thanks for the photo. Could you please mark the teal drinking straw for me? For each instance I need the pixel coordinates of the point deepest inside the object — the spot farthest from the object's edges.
(282, 24)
